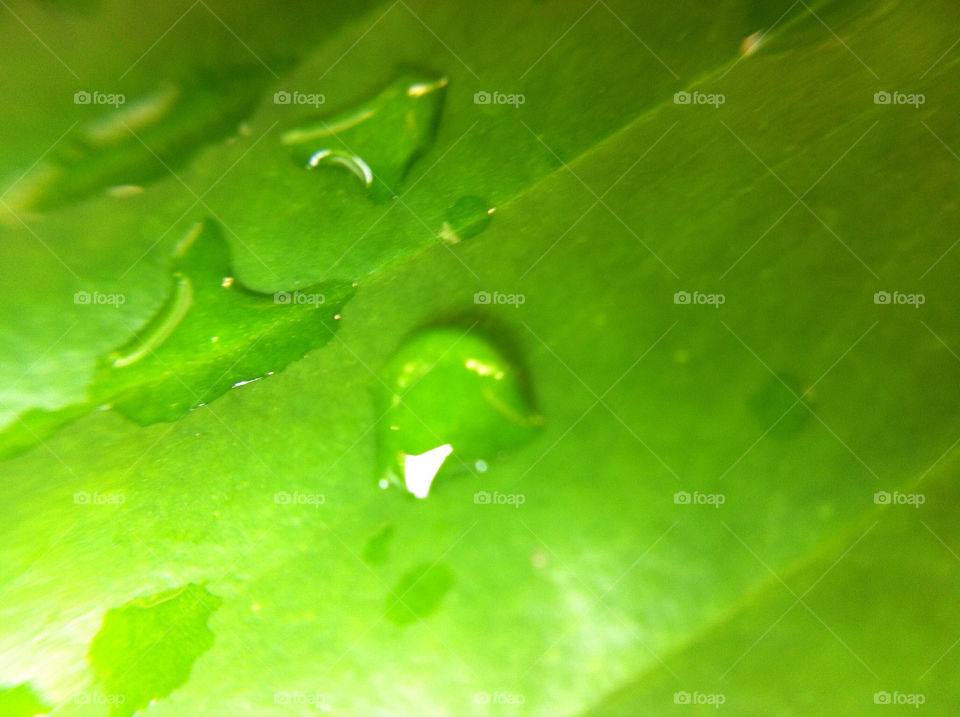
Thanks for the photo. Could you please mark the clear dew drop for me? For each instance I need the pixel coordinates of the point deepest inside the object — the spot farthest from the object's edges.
(465, 219)
(378, 140)
(453, 401)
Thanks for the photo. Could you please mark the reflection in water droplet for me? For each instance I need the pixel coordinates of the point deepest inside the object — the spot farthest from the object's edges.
(453, 401)
(354, 164)
(378, 140)
(466, 218)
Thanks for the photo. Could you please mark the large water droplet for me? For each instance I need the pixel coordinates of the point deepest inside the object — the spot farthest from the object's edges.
(453, 399)
(378, 140)
(466, 218)
(139, 140)
(210, 335)
(146, 648)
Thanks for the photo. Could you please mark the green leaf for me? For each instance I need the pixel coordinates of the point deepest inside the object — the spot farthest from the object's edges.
(702, 464)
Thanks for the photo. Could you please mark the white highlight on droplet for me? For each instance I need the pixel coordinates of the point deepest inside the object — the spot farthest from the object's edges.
(244, 383)
(357, 166)
(420, 470)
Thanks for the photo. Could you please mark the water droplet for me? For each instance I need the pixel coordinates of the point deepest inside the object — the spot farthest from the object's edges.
(175, 121)
(209, 335)
(146, 648)
(351, 162)
(454, 400)
(418, 593)
(379, 139)
(776, 406)
(375, 551)
(172, 365)
(466, 218)
(125, 191)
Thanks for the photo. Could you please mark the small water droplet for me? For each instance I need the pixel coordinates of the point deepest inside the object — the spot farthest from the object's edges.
(418, 593)
(454, 400)
(539, 559)
(125, 191)
(466, 218)
(777, 407)
(379, 139)
(376, 549)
